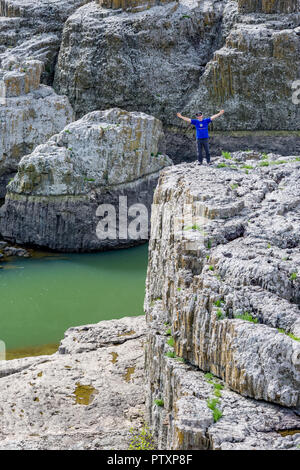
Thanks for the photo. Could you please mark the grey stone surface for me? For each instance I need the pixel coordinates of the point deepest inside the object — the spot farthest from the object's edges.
(30, 113)
(39, 408)
(237, 254)
(32, 29)
(53, 199)
(206, 55)
(185, 422)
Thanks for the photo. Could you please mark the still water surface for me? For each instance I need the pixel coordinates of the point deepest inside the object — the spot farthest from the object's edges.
(40, 298)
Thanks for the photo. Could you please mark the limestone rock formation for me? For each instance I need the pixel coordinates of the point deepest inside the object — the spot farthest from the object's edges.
(86, 398)
(30, 113)
(32, 29)
(90, 394)
(53, 199)
(131, 5)
(223, 278)
(188, 55)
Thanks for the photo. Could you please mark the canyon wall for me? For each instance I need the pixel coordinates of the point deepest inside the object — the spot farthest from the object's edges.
(223, 296)
(188, 56)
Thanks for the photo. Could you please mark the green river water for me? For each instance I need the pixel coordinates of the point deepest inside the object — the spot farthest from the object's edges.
(42, 297)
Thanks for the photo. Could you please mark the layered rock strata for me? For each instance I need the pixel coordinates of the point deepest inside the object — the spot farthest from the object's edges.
(185, 56)
(30, 113)
(223, 280)
(32, 29)
(54, 199)
(131, 5)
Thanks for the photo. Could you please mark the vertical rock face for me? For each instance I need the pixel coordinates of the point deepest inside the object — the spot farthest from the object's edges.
(30, 113)
(269, 6)
(53, 200)
(223, 281)
(150, 61)
(32, 29)
(208, 55)
(131, 5)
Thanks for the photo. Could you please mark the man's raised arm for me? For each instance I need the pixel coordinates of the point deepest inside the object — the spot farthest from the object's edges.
(184, 118)
(217, 115)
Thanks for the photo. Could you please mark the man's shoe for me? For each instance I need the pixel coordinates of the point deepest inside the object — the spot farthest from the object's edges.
(198, 163)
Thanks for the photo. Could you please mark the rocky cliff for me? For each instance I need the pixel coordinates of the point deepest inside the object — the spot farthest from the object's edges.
(30, 113)
(242, 56)
(54, 199)
(88, 395)
(160, 57)
(223, 296)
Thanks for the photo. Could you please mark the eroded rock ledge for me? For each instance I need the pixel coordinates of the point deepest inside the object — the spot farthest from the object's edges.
(225, 284)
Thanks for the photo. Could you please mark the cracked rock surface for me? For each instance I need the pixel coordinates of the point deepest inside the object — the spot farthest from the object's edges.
(86, 398)
(224, 272)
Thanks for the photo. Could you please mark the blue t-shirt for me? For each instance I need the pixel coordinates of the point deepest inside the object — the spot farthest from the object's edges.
(201, 127)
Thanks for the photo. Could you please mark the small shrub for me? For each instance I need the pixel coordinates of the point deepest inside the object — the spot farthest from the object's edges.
(89, 179)
(221, 165)
(211, 268)
(248, 167)
(219, 314)
(295, 338)
(227, 155)
(171, 354)
(168, 332)
(218, 386)
(159, 402)
(217, 393)
(212, 403)
(264, 163)
(247, 317)
(171, 342)
(293, 277)
(141, 439)
(264, 156)
(234, 186)
(180, 359)
(217, 414)
(208, 376)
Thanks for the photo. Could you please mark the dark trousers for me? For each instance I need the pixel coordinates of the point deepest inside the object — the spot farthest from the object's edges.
(203, 143)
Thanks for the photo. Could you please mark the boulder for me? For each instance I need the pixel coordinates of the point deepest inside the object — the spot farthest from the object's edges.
(54, 199)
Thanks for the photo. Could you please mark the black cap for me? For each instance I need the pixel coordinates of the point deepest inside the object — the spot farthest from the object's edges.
(199, 113)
